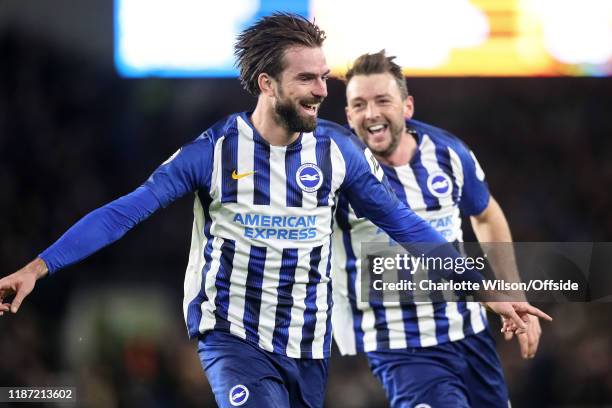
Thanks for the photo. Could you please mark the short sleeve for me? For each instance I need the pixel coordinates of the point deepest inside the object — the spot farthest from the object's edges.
(475, 193)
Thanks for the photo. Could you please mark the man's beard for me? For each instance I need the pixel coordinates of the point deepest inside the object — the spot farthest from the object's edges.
(396, 136)
(288, 116)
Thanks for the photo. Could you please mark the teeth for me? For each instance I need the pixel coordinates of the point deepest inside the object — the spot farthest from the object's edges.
(376, 128)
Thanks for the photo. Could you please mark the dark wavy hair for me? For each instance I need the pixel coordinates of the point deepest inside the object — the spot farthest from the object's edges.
(261, 47)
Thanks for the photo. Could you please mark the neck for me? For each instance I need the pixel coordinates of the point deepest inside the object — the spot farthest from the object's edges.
(402, 154)
(264, 120)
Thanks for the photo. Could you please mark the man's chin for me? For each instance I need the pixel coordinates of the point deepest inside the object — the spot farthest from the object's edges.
(382, 152)
(293, 121)
(310, 125)
(306, 125)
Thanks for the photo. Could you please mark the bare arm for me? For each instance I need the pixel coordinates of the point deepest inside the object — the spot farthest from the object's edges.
(491, 226)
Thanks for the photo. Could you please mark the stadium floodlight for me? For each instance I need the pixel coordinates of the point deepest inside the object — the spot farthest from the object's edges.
(176, 38)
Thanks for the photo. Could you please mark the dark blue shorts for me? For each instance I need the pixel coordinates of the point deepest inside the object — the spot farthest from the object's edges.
(464, 373)
(244, 375)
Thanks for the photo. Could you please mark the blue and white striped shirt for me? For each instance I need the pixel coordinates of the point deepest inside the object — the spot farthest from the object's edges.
(260, 259)
(442, 180)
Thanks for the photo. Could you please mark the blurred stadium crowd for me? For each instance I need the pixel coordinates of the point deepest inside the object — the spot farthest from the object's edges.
(74, 136)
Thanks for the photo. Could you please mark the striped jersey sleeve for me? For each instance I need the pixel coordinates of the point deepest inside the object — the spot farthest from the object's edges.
(185, 171)
(475, 197)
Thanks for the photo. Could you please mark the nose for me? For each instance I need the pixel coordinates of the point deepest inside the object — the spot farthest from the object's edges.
(320, 88)
(371, 111)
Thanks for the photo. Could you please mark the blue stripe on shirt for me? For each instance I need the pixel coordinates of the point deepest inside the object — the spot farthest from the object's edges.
(284, 300)
(409, 312)
(444, 161)
(229, 164)
(330, 303)
(433, 204)
(194, 310)
(292, 164)
(222, 284)
(351, 269)
(252, 295)
(409, 315)
(380, 320)
(310, 315)
(396, 184)
(324, 163)
(261, 193)
(442, 324)
(467, 318)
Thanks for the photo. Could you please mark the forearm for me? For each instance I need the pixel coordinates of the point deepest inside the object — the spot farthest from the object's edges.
(100, 228)
(491, 225)
(493, 232)
(37, 267)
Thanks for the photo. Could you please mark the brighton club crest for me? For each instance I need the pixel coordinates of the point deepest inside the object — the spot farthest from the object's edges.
(309, 177)
(439, 184)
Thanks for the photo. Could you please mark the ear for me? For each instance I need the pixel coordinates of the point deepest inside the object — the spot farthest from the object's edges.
(266, 84)
(408, 107)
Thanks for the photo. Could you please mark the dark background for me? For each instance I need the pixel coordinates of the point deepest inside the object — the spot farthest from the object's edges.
(73, 136)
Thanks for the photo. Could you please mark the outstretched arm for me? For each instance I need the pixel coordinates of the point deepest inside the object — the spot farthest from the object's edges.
(187, 170)
(96, 230)
(490, 226)
(100, 228)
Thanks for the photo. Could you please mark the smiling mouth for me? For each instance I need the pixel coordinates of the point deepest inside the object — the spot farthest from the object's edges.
(376, 130)
(310, 107)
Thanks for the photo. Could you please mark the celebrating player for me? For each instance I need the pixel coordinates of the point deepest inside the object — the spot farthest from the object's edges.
(257, 286)
(425, 354)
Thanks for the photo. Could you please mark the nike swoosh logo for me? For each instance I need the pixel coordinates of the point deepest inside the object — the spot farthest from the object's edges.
(237, 176)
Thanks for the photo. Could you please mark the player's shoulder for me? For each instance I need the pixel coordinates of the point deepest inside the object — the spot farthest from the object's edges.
(439, 136)
(226, 126)
(204, 144)
(341, 135)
